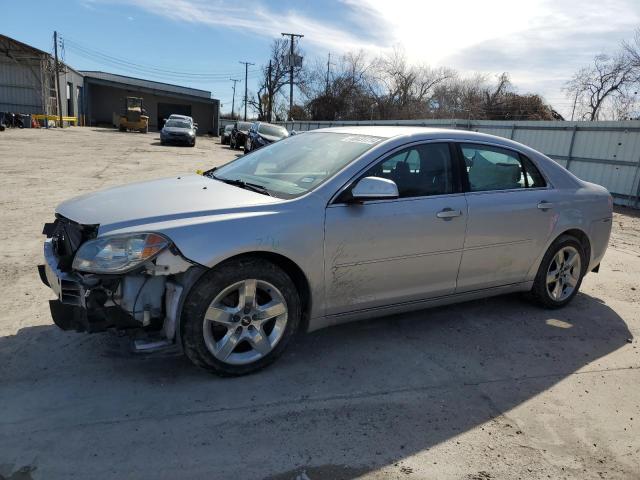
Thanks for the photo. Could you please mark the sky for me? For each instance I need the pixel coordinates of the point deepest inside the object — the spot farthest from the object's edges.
(199, 43)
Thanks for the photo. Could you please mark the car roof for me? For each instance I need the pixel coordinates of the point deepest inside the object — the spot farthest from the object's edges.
(422, 133)
(175, 115)
(390, 131)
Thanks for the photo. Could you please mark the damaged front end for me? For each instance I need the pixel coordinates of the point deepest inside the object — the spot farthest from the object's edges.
(131, 283)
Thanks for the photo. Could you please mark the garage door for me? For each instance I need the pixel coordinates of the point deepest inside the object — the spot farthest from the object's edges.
(166, 109)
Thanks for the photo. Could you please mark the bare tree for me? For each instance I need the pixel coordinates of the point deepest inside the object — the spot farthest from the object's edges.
(608, 79)
(402, 89)
(389, 87)
(275, 75)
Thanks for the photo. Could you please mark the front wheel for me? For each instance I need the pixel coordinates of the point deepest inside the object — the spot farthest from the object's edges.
(561, 272)
(240, 317)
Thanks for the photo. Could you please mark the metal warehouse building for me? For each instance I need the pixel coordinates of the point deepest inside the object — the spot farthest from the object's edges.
(27, 81)
(27, 85)
(106, 93)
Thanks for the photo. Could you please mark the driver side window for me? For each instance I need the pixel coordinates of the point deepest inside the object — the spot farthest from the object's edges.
(418, 171)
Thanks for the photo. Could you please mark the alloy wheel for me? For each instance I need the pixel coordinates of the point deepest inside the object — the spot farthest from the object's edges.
(245, 322)
(563, 274)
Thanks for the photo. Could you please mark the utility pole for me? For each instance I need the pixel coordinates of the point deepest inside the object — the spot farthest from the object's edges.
(246, 71)
(269, 90)
(57, 70)
(575, 100)
(291, 65)
(326, 92)
(233, 99)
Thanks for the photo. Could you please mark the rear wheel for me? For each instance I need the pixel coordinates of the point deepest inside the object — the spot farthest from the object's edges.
(240, 317)
(560, 274)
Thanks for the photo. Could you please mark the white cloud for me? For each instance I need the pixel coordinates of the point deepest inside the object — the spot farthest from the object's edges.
(256, 18)
(539, 42)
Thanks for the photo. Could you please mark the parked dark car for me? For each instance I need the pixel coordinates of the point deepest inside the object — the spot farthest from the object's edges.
(225, 134)
(239, 134)
(180, 131)
(262, 133)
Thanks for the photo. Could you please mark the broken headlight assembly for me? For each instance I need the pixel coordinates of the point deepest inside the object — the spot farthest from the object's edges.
(118, 253)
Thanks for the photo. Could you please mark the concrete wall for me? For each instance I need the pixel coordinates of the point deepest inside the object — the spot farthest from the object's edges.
(606, 153)
(103, 100)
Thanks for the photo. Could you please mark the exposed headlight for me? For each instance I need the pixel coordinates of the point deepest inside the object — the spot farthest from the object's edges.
(118, 253)
(191, 133)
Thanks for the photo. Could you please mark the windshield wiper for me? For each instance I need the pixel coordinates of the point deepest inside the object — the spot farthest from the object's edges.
(254, 187)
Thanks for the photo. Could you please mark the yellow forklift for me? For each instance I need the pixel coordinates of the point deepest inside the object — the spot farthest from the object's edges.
(134, 117)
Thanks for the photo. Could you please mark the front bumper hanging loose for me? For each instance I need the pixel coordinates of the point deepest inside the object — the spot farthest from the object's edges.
(79, 305)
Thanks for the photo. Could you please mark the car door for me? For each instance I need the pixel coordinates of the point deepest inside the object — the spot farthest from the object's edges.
(507, 225)
(391, 251)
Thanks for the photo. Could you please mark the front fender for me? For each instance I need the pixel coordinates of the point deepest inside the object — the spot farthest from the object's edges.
(294, 230)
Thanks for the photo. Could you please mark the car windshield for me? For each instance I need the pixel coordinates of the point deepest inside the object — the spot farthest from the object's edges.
(298, 164)
(273, 130)
(177, 123)
(244, 126)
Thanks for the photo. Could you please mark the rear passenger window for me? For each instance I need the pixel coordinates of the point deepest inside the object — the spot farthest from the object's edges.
(418, 171)
(493, 168)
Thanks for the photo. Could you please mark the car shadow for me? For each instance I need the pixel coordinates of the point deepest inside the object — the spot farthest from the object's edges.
(158, 143)
(340, 402)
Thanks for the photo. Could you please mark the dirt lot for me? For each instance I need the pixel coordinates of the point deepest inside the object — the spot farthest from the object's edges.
(493, 389)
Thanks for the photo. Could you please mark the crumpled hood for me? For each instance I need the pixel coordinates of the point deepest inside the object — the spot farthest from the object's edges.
(158, 201)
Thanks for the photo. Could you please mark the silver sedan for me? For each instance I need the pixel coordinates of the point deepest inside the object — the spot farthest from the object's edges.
(332, 226)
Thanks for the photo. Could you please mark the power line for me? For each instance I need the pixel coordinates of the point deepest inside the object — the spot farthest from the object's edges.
(96, 55)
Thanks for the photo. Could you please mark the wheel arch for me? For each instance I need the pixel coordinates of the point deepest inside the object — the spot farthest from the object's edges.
(583, 238)
(291, 268)
(579, 234)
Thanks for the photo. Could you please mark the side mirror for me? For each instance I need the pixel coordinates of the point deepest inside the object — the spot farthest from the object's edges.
(195, 125)
(374, 188)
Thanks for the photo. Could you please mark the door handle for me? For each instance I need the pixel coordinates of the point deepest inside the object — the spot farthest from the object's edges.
(545, 205)
(448, 213)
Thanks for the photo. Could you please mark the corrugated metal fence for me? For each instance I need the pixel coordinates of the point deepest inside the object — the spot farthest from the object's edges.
(607, 153)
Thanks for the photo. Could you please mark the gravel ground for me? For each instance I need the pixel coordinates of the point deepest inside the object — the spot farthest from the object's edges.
(492, 389)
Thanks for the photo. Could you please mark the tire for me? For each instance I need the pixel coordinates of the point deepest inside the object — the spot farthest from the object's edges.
(568, 274)
(232, 143)
(238, 355)
(193, 144)
(122, 129)
(162, 142)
